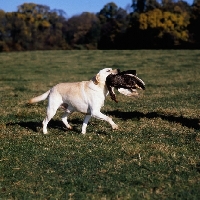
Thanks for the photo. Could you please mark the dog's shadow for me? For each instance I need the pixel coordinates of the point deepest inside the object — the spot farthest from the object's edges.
(58, 124)
(190, 123)
(53, 124)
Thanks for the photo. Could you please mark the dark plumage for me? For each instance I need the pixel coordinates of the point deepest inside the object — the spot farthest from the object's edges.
(133, 72)
(126, 79)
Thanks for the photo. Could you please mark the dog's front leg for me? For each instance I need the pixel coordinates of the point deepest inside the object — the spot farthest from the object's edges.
(64, 119)
(99, 115)
(68, 111)
(85, 122)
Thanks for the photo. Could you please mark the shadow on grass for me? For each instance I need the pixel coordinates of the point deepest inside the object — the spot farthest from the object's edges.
(53, 124)
(58, 124)
(190, 123)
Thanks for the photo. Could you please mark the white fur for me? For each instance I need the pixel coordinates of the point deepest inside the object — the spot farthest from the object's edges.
(86, 97)
(129, 92)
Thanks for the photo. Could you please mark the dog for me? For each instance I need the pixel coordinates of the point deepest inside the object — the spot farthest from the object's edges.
(126, 82)
(85, 97)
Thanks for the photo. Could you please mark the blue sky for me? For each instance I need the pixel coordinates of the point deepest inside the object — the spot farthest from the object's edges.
(71, 7)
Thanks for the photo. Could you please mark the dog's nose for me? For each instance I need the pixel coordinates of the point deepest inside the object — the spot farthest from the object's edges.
(118, 71)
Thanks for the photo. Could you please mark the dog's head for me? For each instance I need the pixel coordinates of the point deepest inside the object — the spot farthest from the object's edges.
(101, 76)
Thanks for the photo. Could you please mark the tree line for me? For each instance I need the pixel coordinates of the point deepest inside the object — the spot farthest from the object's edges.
(144, 24)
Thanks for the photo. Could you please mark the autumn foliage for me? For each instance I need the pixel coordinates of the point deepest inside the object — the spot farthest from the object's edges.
(143, 25)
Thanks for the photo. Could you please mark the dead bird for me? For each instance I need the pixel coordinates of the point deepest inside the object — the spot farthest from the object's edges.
(126, 82)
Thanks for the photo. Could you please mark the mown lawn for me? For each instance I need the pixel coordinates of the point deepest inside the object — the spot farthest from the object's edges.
(155, 154)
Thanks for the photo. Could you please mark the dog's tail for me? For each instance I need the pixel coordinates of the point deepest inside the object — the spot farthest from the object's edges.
(39, 98)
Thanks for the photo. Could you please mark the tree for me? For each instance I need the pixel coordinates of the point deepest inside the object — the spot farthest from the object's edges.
(32, 27)
(113, 25)
(34, 9)
(152, 4)
(108, 12)
(139, 6)
(174, 24)
(4, 35)
(194, 24)
(83, 30)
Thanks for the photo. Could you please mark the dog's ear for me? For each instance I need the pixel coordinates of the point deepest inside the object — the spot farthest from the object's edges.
(96, 79)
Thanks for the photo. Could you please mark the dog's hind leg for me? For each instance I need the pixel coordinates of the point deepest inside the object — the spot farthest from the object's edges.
(53, 105)
(50, 113)
(85, 122)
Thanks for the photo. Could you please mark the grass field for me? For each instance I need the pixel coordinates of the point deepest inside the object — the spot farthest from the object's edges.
(155, 154)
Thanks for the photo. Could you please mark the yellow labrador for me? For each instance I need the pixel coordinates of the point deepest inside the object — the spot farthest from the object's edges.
(85, 97)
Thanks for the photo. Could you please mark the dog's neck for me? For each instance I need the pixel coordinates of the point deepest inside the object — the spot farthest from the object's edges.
(96, 86)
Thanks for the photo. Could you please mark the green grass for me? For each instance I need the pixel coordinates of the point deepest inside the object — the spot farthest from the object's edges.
(154, 155)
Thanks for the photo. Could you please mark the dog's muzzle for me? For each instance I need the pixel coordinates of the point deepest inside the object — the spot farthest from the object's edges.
(115, 71)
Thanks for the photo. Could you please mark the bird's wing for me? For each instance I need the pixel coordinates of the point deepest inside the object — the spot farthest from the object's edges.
(128, 92)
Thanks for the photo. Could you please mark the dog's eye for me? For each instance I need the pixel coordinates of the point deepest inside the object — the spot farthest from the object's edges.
(108, 70)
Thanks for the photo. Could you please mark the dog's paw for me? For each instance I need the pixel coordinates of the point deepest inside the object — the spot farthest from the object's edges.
(114, 126)
(44, 130)
(83, 132)
(69, 127)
